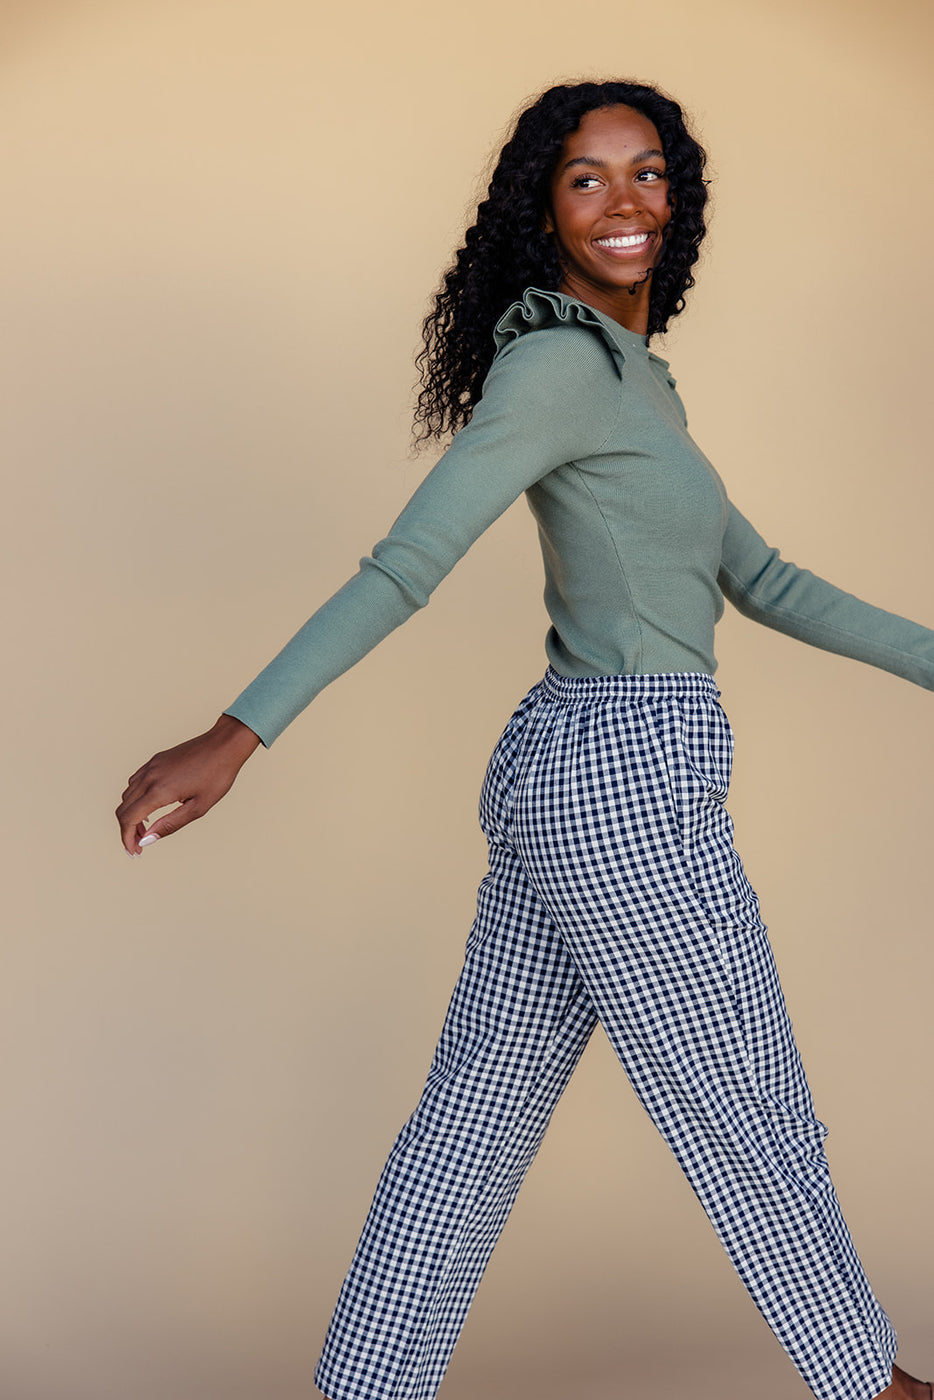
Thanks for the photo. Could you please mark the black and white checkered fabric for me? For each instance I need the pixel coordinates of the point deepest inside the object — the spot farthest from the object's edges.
(614, 893)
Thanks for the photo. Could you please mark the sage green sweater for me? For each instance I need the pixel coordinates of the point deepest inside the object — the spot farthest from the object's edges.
(639, 541)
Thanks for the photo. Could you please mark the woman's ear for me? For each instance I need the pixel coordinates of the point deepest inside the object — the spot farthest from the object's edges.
(548, 223)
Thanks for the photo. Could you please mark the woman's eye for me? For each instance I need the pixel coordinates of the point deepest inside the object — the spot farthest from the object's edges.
(585, 182)
(650, 174)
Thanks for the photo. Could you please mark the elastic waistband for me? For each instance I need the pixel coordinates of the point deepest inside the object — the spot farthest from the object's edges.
(628, 689)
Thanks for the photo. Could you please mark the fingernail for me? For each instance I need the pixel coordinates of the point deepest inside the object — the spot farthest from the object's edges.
(134, 855)
(148, 840)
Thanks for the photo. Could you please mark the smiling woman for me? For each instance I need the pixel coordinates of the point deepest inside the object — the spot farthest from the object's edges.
(513, 246)
(610, 208)
(614, 892)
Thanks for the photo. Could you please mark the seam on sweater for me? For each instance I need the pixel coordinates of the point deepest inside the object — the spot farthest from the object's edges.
(604, 356)
(775, 611)
(622, 569)
(612, 428)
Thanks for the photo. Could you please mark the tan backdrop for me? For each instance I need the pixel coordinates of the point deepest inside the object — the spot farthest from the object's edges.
(222, 220)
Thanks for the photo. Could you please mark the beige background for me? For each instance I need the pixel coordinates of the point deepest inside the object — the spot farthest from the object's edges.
(221, 223)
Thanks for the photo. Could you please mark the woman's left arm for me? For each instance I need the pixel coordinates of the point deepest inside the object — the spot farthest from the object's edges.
(771, 590)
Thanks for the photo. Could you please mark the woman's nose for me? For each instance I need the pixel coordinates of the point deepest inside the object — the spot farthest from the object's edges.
(622, 200)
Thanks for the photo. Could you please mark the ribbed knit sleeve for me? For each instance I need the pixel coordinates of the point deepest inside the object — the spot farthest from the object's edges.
(771, 590)
(538, 411)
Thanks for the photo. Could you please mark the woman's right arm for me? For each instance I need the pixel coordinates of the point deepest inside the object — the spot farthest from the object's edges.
(195, 775)
(538, 411)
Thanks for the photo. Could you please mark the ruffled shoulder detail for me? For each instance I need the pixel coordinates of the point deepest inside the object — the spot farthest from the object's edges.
(540, 310)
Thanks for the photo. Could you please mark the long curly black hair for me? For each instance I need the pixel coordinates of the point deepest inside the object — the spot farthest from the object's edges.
(507, 249)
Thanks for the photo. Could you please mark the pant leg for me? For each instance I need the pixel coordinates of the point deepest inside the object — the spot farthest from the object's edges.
(620, 824)
(517, 1024)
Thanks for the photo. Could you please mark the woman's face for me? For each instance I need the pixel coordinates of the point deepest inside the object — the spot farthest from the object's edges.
(609, 211)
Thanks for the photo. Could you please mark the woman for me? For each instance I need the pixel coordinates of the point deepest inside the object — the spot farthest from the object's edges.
(614, 892)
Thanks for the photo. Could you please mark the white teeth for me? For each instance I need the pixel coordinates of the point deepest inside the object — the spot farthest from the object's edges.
(631, 240)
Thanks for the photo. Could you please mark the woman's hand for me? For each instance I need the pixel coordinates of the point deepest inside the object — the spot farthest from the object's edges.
(197, 774)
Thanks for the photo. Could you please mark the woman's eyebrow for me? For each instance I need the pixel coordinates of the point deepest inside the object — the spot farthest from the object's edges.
(601, 164)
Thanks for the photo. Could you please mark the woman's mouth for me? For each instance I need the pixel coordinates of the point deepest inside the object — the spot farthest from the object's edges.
(624, 242)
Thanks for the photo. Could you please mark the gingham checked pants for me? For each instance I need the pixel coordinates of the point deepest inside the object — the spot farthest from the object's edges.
(614, 893)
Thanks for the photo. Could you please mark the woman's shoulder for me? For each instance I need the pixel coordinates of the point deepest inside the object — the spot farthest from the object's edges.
(537, 310)
(547, 332)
